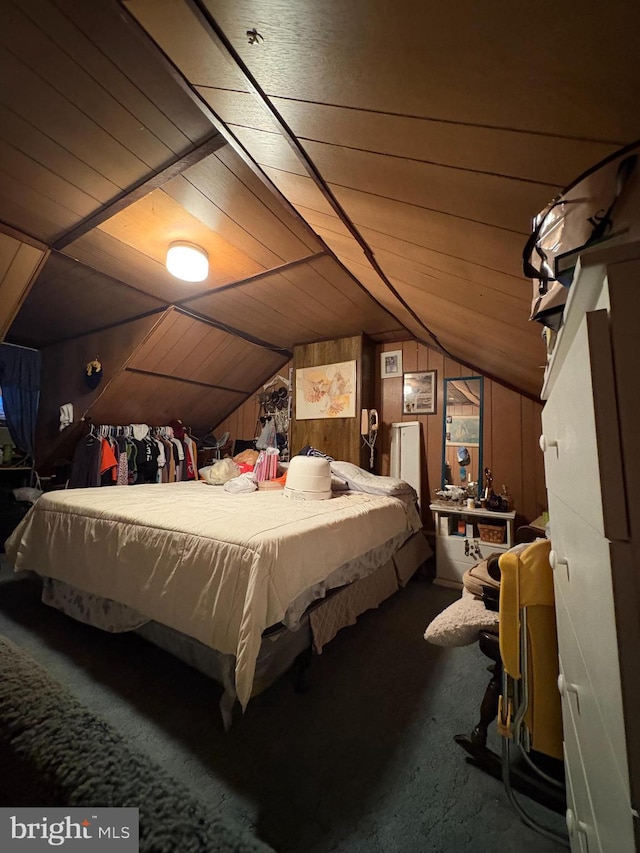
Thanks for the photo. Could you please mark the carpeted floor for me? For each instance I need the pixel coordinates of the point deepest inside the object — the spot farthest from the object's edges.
(362, 763)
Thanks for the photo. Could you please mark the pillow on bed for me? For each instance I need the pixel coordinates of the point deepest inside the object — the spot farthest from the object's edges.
(459, 624)
(360, 480)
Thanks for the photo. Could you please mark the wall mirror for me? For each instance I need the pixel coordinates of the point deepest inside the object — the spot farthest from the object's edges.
(462, 433)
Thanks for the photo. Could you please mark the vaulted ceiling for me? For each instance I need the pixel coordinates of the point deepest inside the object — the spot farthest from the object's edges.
(349, 167)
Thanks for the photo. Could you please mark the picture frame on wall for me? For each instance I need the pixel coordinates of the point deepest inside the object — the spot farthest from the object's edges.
(326, 391)
(391, 364)
(419, 393)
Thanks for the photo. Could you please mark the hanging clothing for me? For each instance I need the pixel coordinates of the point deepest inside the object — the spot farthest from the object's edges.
(85, 467)
(123, 467)
(108, 464)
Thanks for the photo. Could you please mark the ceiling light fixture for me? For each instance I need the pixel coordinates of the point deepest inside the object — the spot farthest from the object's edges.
(187, 261)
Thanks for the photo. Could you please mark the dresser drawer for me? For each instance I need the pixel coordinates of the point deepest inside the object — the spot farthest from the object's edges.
(581, 824)
(581, 560)
(598, 738)
(580, 417)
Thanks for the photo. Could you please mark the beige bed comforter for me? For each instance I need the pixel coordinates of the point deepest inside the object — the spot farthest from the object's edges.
(216, 566)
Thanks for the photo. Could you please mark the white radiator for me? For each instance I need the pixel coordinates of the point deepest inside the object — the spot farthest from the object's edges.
(405, 453)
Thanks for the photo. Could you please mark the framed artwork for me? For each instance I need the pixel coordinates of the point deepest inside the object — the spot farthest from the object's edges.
(419, 393)
(391, 364)
(326, 391)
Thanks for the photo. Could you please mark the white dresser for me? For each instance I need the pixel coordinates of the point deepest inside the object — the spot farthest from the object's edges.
(458, 542)
(591, 445)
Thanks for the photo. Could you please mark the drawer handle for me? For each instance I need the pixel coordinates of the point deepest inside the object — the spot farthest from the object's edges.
(546, 443)
(555, 560)
(565, 686)
(573, 824)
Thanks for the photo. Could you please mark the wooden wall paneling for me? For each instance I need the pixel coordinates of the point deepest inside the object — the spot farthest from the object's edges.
(31, 212)
(110, 256)
(327, 223)
(557, 161)
(63, 382)
(272, 309)
(495, 248)
(237, 204)
(153, 222)
(340, 292)
(38, 102)
(431, 359)
(236, 363)
(369, 278)
(187, 348)
(453, 370)
(509, 421)
(141, 398)
(409, 356)
(243, 308)
(505, 460)
(177, 31)
(204, 209)
(20, 264)
(38, 47)
(512, 414)
(40, 148)
(299, 190)
(270, 199)
(270, 149)
(339, 437)
(242, 423)
(501, 299)
(503, 202)
(41, 180)
(457, 72)
(238, 108)
(487, 428)
(173, 343)
(91, 301)
(130, 66)
(437, 263)
(506, 324)
(534, 495)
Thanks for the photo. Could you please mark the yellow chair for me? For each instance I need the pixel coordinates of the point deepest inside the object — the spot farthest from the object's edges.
(529, 710)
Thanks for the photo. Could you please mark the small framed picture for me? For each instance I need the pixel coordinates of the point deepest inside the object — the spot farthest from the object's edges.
(419, 393)
(391, 364)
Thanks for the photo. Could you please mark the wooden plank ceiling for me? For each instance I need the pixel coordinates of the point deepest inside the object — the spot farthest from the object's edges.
(351, 168)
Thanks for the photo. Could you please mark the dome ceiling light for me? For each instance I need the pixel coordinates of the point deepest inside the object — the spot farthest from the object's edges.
(187, 261)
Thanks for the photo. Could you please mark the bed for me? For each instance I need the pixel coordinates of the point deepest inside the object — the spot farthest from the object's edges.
(221, 571)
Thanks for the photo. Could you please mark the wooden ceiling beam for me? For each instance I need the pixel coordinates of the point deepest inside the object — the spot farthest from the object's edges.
(245, 336)
(209, 385)
(253, 278)
(142, 188)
